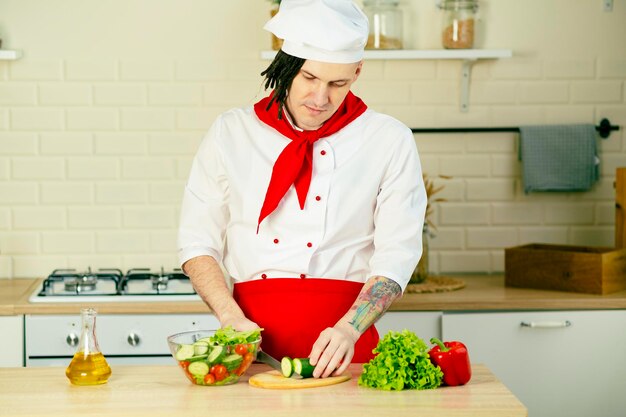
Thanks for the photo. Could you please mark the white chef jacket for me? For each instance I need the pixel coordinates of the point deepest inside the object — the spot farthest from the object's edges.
(363, 214)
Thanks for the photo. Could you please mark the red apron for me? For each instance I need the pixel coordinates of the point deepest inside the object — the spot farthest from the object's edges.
(293, 312)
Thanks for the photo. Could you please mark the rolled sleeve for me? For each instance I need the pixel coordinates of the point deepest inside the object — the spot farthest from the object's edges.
(399, 215)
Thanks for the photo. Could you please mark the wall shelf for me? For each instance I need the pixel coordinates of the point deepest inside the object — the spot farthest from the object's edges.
(8, 55)
(468, 56)
(426, 54)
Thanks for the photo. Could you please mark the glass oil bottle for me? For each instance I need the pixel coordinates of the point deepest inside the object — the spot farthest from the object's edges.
(88, 366)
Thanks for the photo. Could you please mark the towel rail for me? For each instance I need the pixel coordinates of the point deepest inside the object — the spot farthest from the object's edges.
(604, 129)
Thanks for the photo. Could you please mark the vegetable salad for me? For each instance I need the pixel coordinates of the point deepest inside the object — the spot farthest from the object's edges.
(219, 359)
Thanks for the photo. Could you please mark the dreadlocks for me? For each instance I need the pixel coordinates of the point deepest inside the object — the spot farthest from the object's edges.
(279, 76)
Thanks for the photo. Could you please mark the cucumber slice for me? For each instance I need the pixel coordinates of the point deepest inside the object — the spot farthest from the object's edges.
(200, 348)
(184, 352)
(286, 366)
(303, 367)
(216, 355)
(232, 362)
(198, 368)
(206, 340)
(197, 358)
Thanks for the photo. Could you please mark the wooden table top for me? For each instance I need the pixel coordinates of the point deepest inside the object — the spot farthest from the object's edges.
(153, 391)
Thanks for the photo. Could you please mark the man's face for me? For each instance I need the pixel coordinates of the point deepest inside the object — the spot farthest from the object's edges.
(318, 90)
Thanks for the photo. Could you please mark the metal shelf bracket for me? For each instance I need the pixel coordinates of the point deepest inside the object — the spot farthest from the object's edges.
(466, 75)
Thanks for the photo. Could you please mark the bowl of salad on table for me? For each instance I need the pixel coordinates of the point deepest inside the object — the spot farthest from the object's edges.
(214, 357)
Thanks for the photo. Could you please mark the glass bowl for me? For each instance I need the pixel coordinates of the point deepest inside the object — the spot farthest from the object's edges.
(208, 363)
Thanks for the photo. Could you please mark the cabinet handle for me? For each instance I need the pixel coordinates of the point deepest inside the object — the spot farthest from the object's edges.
(133, 339)
(546, 324)
(72, 339)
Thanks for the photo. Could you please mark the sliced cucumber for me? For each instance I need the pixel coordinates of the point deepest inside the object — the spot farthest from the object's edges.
(206, 340)
(232, 362)
(200, 348)
(303, 367)
(217, 354)
(286, 366)
(184, 352)
(198, 368)
(197, 358)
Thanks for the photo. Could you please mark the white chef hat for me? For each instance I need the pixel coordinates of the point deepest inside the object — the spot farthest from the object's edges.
(321, 30)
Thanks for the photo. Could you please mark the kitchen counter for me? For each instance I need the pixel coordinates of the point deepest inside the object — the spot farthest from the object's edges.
(482, 292)
(163, 391)
(12, 292)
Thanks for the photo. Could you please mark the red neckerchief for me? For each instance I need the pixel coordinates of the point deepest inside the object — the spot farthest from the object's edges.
(294, 165)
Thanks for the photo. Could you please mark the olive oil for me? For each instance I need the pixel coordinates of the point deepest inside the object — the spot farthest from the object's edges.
(88, 366)
(88, 369)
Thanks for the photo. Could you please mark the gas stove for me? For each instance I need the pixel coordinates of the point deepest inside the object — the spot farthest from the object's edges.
(113, 285)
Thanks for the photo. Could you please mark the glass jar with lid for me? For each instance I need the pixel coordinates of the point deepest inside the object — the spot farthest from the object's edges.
(459, 18)
(385, 19)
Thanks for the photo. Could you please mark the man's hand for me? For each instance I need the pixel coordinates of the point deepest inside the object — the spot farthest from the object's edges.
(239, 323)
(333, 350)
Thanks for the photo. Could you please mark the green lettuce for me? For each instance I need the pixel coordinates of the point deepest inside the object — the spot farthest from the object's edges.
(402, 362)
(230, 336)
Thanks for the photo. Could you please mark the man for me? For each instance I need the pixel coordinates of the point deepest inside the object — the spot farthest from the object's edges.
(313, 203)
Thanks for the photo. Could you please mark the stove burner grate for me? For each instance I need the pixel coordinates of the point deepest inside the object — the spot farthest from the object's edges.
(80, 283)
(143, 282)
(160, 281)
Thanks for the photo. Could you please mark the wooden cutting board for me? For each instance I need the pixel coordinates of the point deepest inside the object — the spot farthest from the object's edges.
(275, 380)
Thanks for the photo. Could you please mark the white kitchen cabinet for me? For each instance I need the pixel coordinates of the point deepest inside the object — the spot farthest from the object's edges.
(425, 324)
(52, 340)
(12, 346)
(566, 363)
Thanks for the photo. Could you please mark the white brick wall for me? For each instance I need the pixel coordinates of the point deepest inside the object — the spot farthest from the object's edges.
(98, 131)
(79, 70)
(66, 143)
(16, 144)
(4, 168)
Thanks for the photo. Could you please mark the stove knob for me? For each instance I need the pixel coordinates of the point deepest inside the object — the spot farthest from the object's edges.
(133, 339)
(72, 339)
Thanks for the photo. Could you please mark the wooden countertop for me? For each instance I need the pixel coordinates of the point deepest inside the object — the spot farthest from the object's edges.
(482, 292)
(13, 291)
(163, 391)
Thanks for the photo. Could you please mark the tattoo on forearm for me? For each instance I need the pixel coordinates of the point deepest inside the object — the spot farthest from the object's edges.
(373, 302)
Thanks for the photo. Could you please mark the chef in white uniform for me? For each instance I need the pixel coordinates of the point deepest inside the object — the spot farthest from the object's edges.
(313, 203)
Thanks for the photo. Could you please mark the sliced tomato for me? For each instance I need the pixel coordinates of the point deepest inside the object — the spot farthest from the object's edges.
(209, 379)
(241, 349)
(220, 372)
(248, 358)
(184, 364)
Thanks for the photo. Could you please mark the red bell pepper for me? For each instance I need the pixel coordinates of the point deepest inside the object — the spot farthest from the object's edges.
(453, 359)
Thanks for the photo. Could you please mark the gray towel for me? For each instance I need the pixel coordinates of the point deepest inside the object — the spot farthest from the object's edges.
(558, 157)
